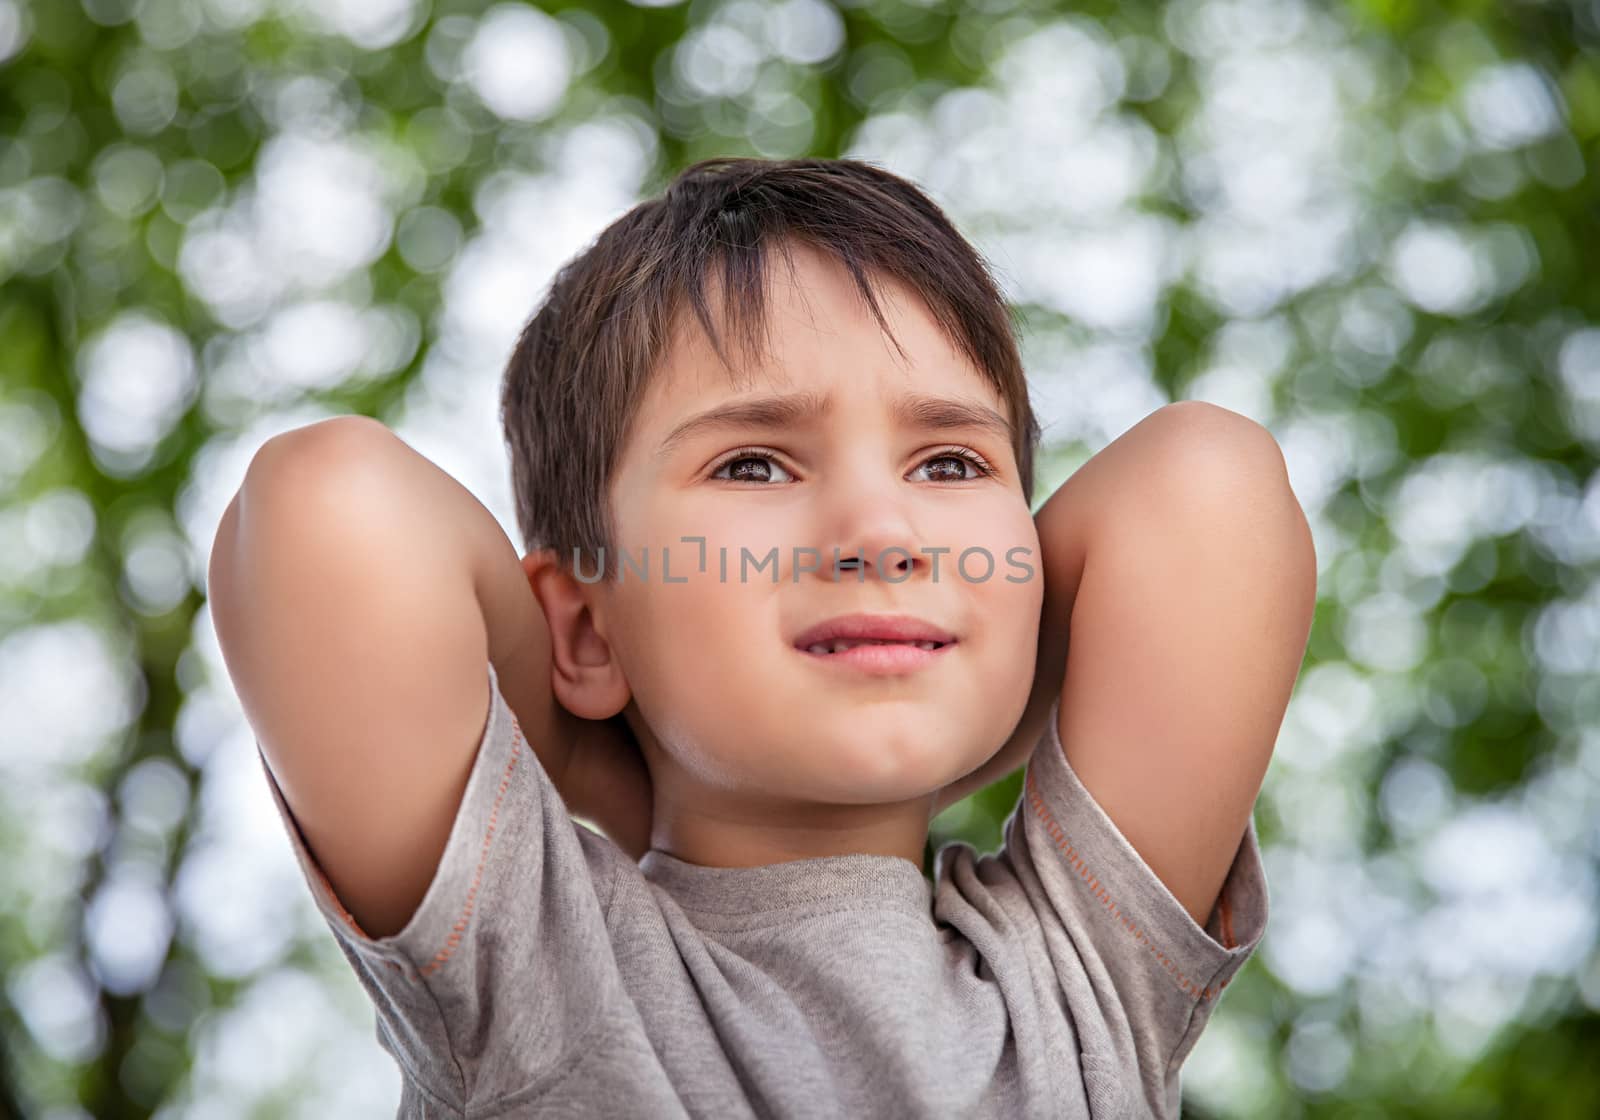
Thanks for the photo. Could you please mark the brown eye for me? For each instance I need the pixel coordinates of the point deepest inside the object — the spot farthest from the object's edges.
(956, 474)
(750, 469)
(749, 465)
(963, 458)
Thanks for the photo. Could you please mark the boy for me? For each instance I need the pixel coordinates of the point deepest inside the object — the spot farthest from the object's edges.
(780, 603)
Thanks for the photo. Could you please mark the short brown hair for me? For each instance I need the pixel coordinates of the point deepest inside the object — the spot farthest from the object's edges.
(581, 364)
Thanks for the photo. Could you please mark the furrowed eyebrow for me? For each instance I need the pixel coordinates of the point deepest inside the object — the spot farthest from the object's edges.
(755, 412)
(939, 414)
(912, 410)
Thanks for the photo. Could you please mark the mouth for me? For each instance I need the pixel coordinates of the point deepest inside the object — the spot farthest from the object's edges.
(876, 657)
(832, 646)
(881, 644)
(872, 627)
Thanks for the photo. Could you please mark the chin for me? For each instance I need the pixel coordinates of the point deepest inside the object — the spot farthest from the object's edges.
(893, 773)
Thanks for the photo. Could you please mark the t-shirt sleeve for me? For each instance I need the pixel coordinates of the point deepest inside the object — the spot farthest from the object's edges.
(1154, 974)
(503, 966)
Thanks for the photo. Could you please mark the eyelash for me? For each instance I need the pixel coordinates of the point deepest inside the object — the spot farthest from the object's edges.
(966, 454)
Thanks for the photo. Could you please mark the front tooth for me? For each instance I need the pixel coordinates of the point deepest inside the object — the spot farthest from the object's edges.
(838, 645)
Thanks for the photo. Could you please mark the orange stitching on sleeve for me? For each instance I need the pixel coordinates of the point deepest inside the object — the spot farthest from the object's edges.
(1103, 896)
(453, 941)
(309, 859)
(330, 893)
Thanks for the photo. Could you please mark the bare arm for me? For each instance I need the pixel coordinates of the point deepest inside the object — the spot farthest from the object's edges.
(1185, 567)
(356, 590)
(1066, 522)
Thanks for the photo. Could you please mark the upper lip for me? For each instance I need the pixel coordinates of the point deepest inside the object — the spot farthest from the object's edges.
(887, 627)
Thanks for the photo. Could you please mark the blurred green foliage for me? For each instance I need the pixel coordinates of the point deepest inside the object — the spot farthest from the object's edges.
(126, 123)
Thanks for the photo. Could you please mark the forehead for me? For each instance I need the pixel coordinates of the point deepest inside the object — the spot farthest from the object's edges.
(820, 336)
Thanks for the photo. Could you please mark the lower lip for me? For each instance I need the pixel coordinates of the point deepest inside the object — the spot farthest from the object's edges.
(890, 659)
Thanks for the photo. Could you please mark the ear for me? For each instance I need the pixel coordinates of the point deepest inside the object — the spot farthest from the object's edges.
(584, 672)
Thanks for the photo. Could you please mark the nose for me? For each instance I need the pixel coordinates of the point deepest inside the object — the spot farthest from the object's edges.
(874, 539)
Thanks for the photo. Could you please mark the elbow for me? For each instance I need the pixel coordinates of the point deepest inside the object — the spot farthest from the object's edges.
(292, 474)
(1218, 456)
(1227, 470)
(314, 453)
(319, 470)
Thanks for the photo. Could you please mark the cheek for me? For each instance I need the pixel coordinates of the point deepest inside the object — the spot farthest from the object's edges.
(701, 643)
(674, 624)
(1010, 599)
(725, 534)
(689, 663)
(995, 554)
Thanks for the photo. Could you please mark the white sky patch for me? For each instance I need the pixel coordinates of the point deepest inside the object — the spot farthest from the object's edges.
(1578, 365)
(1318, 1053)
(1231, 1067)
(1335, 712)
(1310, 949)
(531, 225)
(369, 24)
(1566, 634)
(63, 693)
(1385, 631)
(1450, 500)
(1435, 267)
(1108, 278)
(128, 928)
(1067, 73)
(289, 1038)
(319, 208)
(519, 62)
(156, 568)
(716, 61)
(137, 378)
(1493, 858)
(58, 1002)
(15, 28)
(29, 421)
(240, 838)
(315, 344)
(220, 264)
(1091, 393)
(1040, 143)
(806, 32)
(54, 529)
(1511, 104)
(1244, 359)
(234, 15)
(1415, 796)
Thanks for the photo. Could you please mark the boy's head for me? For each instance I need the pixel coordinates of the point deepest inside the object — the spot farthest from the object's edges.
(839, 286)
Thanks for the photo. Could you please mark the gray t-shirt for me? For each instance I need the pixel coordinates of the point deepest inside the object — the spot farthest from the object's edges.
(545, 973)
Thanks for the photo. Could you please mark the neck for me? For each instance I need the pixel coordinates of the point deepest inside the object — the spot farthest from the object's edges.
(717, 831)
